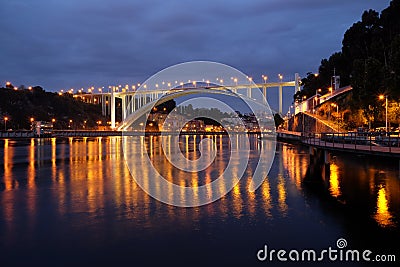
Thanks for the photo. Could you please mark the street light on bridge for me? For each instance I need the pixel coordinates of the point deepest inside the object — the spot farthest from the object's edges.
(265, 78)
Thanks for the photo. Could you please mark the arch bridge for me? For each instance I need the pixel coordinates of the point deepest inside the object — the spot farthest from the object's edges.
(140, 98)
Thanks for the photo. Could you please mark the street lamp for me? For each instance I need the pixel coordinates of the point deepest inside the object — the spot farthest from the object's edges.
(280, 76)
(381, 97)
(236, 81)
(337, 111)
(5, 123)
(265, 78)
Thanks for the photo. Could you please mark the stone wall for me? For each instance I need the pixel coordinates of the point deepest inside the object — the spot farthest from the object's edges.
(311, 125)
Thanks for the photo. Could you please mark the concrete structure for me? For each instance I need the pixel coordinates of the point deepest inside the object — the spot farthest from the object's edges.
(132, 100)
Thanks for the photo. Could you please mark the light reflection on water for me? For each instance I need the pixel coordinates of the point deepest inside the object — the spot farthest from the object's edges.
(82, 186)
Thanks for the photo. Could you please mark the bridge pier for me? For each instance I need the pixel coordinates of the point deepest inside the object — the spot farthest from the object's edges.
(123, 107)
(320, 155)
(296, 83)
(280, 98)
(112, 109)
(264, 88)
(249, 92)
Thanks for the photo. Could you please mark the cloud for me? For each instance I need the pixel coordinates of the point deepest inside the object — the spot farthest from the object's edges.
(64, 44)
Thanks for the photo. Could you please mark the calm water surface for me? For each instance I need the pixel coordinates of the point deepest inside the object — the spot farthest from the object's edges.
(73, 202)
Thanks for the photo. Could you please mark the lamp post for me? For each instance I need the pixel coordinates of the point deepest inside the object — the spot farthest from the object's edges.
(5, 123)
(265, 78)
(381, 97)
(337, 111)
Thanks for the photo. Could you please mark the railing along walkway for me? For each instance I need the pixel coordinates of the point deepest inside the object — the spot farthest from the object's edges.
(363, 142)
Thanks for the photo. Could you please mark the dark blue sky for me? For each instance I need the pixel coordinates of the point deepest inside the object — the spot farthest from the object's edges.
(82, 43)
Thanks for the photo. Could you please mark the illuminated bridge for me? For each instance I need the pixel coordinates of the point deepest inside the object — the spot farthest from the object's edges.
(139, 98)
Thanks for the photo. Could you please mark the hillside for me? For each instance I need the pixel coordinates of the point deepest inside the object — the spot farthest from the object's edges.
(369, 61)
(19, 106)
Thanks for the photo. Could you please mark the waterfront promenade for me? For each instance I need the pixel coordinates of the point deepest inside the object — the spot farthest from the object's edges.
(348, 142)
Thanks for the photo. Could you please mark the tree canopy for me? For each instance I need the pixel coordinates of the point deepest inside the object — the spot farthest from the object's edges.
(369, 60)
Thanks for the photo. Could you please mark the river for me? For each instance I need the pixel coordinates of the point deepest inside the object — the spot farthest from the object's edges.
(73, 202)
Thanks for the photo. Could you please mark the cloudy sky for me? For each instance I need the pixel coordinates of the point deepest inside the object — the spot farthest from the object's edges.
(80, 43)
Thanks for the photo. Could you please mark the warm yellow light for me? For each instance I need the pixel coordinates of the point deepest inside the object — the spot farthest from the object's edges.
(8, 83)
(53, 120)
(334, 187)
(381, 97)
(6, 118)
(382, 214)
(70, 120)
(32, 119)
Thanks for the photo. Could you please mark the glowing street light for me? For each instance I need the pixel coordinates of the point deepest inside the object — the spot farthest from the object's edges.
(5, 123)
(280, 76)
(32, 120)
(381, 97)
(265, 78)
(337, 111)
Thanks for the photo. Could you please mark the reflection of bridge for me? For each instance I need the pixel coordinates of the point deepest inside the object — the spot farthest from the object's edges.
(134, 100)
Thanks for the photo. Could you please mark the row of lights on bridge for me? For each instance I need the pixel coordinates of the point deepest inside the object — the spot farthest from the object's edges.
(163, 84)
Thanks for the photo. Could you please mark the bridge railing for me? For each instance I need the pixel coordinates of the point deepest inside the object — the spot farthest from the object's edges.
(371, 141)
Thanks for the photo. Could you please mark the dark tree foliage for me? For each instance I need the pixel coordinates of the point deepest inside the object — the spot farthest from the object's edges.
(369, 60)
(21, 105)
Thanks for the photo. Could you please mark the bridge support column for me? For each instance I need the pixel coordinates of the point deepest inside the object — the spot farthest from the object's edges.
(112, 109)
(249, 92)
(103, 105)
(296, 83)
(265, 93)
(327, 157)
(108, 105)
(280, 99)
